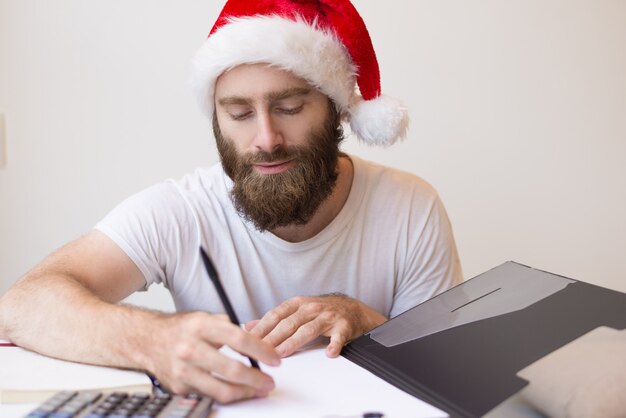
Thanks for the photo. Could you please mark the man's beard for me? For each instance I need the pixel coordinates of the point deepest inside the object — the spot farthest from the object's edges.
(290, 197)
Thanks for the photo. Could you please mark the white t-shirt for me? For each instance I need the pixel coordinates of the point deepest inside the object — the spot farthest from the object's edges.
(391, 246)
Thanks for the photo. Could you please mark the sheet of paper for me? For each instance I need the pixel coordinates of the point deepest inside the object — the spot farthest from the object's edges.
(310, 385)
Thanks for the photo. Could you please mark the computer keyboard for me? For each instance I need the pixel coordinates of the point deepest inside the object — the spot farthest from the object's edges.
(88, 404)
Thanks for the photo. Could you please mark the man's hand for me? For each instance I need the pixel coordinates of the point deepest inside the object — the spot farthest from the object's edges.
(81, 284)
(300, 320)
(185, 357)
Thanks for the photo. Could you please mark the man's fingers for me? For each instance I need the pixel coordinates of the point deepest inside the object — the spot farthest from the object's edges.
(218, 333)
(202, 367)
(235, 372)
(303, 335)
(269, 321)
(193, 361)
(307, 310)
(221, 390)
(232, 370)
(287, 328)
(249, 345)
(337, 340)
(249, 326)
(300, 320)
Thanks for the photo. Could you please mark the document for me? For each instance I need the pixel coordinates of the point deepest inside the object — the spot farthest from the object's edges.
(311, 385)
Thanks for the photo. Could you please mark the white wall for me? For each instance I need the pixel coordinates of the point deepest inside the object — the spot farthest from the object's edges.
(518, 118)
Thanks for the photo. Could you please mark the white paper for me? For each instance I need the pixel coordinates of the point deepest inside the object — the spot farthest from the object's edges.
(311, 385)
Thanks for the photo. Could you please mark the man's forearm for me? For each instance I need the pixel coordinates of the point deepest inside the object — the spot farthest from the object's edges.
(57, 316)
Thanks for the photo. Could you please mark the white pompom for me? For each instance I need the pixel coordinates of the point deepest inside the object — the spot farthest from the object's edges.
(380, 121)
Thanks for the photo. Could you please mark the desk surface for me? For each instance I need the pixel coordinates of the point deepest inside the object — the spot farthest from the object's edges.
(311, 385)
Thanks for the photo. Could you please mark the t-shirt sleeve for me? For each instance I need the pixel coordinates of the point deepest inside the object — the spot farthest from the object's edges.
(432, 262)
(151, 227)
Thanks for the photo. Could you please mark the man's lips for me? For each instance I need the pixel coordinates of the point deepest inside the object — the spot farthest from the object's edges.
(273, 167)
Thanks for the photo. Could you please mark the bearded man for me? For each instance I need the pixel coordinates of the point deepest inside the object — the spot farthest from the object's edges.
(309, 241)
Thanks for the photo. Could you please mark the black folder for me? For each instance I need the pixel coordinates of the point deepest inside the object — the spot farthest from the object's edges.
(461, 350)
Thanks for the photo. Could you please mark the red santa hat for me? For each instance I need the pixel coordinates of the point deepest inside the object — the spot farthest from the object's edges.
(322, 41)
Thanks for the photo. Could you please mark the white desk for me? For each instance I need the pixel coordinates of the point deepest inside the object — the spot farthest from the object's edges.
(308, 385)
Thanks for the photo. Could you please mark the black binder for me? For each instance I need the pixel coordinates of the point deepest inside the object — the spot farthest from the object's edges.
(461, 350)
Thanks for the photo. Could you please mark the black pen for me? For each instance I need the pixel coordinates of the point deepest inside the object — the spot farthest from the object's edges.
(210, 268)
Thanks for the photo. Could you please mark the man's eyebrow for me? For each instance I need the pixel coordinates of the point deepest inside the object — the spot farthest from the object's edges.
(273, 96)
(233, 100)
(284, 94)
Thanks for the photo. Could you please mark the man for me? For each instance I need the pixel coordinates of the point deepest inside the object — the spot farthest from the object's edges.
(308, 241)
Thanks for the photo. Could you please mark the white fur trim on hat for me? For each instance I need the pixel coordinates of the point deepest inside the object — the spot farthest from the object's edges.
(294, 45)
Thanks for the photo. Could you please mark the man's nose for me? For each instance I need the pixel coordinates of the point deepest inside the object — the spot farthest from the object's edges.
(268, 136)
